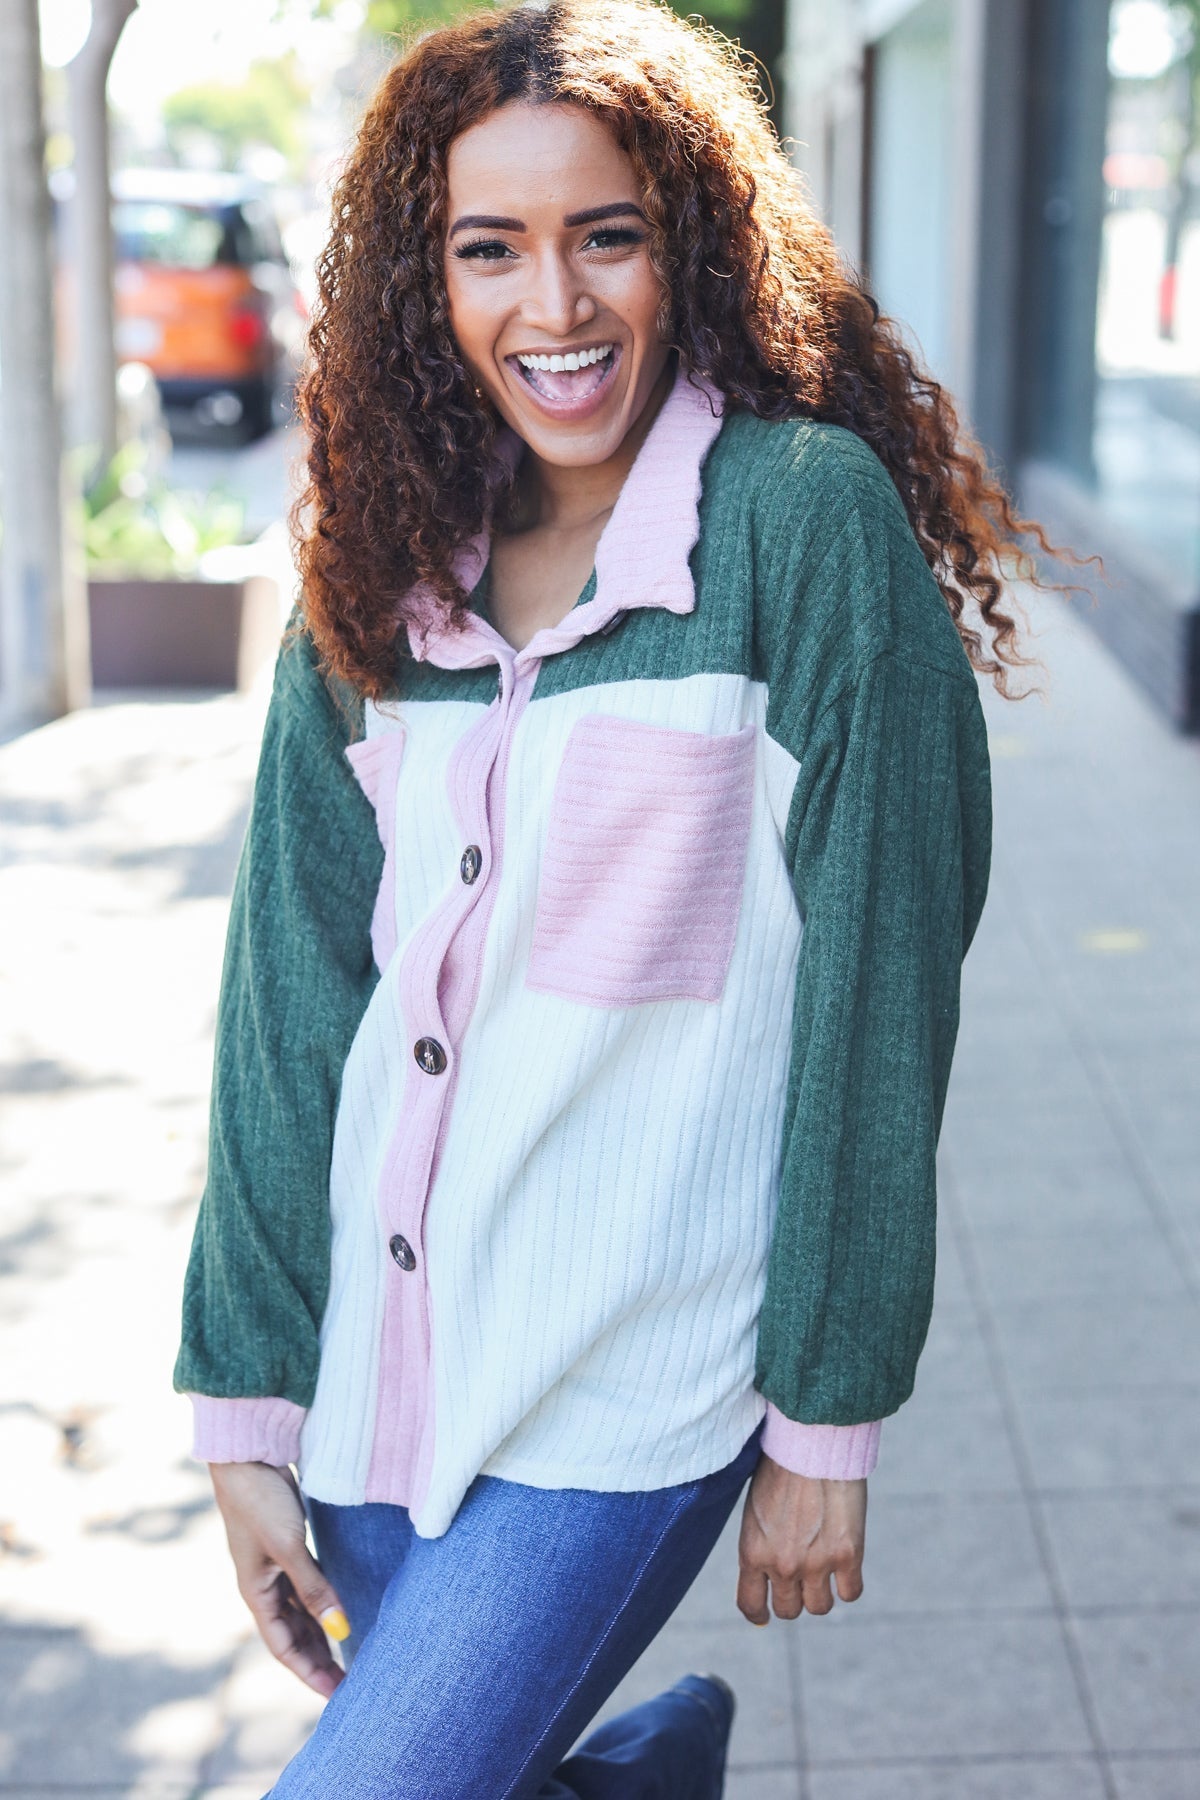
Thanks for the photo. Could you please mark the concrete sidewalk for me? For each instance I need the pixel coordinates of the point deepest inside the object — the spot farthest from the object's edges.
(1030, 1624)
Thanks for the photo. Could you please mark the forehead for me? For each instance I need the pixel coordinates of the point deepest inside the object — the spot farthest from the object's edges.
(544, 156)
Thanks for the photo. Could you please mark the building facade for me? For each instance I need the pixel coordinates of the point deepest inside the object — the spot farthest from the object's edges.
(1018, 182)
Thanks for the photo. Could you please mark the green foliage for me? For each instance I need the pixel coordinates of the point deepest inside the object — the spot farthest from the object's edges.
(384, 17)
(267, 108)
(387, 16)
(729, 16)
(131, 526)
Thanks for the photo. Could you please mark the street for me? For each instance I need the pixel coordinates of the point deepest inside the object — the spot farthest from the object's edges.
(1030, 1628)
(261, 475)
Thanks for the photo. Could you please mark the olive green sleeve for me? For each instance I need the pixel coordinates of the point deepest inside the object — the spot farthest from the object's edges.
(889, 853)
(888, 841)
(297, 977)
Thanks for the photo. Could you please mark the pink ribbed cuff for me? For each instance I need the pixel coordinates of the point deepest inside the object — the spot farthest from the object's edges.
(258, 1430)
(823, 1452)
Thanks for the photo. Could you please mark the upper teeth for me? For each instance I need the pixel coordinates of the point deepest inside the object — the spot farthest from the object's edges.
(574, 359)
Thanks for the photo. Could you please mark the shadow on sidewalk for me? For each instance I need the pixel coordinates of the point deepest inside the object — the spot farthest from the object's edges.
(89, 1718)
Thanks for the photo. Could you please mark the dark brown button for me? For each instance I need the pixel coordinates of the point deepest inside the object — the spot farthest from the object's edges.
(430, 1055)
(472, 862)
(402, 1252)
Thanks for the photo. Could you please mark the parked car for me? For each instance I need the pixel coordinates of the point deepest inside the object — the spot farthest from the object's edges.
(204, 293)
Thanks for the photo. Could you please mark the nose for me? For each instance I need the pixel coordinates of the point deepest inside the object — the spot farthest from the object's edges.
(557, 299)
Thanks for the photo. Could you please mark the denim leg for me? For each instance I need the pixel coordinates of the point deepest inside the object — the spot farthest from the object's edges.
(359, 1548)
(669, 1748)
(495, 1644)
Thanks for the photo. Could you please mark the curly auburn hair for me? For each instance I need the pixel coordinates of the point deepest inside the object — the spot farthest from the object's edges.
(402, 470)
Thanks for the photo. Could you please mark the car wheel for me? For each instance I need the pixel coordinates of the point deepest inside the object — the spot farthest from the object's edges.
(259, 416)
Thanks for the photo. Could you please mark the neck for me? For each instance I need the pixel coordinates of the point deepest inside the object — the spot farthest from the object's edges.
(567, 499)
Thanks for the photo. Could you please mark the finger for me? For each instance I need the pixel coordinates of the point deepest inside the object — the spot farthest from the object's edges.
(787, 1596)
(314, 1593)
(752, 1596)
(310, 1657)
(295, 1639)
(849, 1580)
(818, 1595)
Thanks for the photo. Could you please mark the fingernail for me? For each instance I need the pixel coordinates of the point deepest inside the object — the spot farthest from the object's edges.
(760, 1623)
(336, 1624)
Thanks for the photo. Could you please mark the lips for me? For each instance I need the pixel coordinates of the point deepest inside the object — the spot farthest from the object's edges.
(567, 380)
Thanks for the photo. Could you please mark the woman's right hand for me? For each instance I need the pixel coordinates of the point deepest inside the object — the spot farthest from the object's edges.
(292, 1603)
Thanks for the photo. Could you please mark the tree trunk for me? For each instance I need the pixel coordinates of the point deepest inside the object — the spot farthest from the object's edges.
(94, 412)
(43, 619)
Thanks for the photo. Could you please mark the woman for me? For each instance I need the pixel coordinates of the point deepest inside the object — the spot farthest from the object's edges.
(593, 974)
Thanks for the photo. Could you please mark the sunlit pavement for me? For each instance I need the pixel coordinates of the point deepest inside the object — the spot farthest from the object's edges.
(1031, 1623)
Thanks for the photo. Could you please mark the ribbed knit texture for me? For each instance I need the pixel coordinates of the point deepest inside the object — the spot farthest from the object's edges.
(298, 975)
(644, 863)
(816, 617)
(264, 1430)
(889, 841)
(831, 1452)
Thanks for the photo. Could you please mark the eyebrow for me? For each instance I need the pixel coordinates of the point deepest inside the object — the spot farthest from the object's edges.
(486, 222)
(618, 210)
(591, 216)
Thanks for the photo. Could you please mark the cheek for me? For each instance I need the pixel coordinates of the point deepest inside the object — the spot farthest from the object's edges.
(643, 302)
(463, 320)
(474, 331)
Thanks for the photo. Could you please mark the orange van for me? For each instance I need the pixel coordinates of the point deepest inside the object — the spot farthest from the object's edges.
(204, 293)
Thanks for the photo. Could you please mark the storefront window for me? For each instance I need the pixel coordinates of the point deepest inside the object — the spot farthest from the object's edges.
(1147, 432)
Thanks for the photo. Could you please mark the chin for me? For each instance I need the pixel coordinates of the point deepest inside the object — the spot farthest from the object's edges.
(567, 449)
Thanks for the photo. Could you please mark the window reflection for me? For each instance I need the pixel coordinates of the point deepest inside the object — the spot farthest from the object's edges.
(1147, 432)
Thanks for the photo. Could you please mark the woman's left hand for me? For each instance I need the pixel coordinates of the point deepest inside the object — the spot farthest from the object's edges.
(797, 1532)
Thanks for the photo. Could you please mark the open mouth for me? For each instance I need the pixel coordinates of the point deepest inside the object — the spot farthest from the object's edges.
(569, 378)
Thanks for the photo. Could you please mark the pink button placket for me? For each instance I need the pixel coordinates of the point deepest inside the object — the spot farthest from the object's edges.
(438, 978)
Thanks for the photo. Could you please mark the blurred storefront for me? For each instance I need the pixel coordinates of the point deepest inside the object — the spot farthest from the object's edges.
(1019, 181)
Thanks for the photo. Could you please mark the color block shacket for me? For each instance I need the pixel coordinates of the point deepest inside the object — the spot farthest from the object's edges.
(588, 1009)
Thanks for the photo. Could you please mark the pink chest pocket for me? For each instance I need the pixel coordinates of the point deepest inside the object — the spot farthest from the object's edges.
(644, 864)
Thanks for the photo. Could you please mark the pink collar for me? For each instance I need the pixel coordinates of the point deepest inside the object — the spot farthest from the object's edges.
(642, 556)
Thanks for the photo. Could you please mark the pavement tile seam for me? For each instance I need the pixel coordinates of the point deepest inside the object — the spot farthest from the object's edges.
(764, 1768)
(1044, 1389)
(796, 1690)
(976, 1286)
(1117, 1490)
(844, 1618)
(1108, 1091)
(981, 1760)
(1161, 1609)
(1122, 1760)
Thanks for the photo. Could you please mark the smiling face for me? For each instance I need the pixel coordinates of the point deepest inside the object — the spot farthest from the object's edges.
(554, 301)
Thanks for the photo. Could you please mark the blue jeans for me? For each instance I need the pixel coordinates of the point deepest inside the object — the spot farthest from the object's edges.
(477, 1658)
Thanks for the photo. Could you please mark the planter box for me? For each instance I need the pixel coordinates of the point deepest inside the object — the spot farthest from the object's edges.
(189, 634)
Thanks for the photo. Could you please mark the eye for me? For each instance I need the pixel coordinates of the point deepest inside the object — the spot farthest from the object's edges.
(614, 237)
(483, 250)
